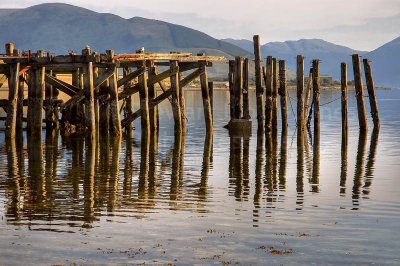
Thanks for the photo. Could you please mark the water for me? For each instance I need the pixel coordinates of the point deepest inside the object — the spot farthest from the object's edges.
(119, 202)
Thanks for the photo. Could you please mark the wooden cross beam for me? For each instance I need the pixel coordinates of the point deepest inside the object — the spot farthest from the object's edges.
(131, 76)
(68, 89)
(3, 79)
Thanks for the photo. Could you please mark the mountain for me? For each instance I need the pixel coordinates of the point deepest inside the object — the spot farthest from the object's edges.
(385, 64)
(62, 27)
(331, 55)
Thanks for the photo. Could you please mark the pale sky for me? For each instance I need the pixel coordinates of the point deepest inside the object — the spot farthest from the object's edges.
(359, 24)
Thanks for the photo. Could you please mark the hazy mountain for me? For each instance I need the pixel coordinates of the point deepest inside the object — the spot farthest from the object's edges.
(385, 63)
(331, 55)
(62, 27)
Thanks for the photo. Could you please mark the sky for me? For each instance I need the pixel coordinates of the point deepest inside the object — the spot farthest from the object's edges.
(358, 24)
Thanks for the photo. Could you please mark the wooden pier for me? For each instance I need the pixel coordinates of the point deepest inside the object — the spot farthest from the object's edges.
(96, 90)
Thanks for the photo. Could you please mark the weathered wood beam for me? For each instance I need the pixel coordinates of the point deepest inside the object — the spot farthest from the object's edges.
(177, 57)
(3, 79)
(191, 77)
(103, 77)
(161, 76)
(68, 89)
(131, 76)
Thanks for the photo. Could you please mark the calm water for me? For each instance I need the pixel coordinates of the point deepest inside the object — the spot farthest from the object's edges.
(193, 201)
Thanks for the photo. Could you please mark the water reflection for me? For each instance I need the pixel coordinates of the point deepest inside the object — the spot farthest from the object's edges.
(369, 168)
(359, 168)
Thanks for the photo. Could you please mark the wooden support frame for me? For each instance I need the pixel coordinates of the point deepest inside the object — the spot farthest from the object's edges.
(68, 89)
(13, 84)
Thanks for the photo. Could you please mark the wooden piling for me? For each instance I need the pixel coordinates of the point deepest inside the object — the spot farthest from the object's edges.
(344, 98)
(144, 104)
(300, 91)
(48, 94)
(307, 96)
(268, 93)
(371, 92)
(9, 49)
(35, 101)
(176, 110)
(231, 79)
(246, 111)
(128, 109)
(13, 83)
(96, 102)
(362, 117)
(104, 120)
(238, 86)
(206, 100)
(89, 99)
(274, 122)
(211, 94)
(316, 97)
(115, 127)
(182, 104)
(152, 96)
(259, 88)
(283, 94)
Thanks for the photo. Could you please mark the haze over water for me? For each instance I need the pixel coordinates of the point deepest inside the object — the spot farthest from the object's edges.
(193, 201)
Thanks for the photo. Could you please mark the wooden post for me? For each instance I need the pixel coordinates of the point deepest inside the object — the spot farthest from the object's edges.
(9, 49)
(211, 94)
(128, 109)
(316, 97)
(182, 106)
(268, 93)
(176, 110)
(89, 99)
(144, 105)
(307, 96)
(344, 98)
(206, 100)
(13, 83)
(35, 101)
(96, 102)
(231, 79)
(104, 121)
(300, 91)
(371, 93)
(115, 127)
(246, 111)
(48, 94)
(77, 109)
(238, 86)
(274, 122)
(282, 94)
(152, 96)
(362, 117)
(259, 88)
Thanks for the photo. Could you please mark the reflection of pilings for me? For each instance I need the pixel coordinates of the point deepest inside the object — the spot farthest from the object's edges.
(14, 190)
(369, 168)
(175, 171)
(205, 168)
(314, 181)
(114, 171)
(300, 167)
(77, 147)
(282, 160)
(153, 164)
(128, 170)
(235, 167)
(36, 187)
(362, 143)
(258, 176)
(102, 183)
(88, 182)
(343, 166)
(51, 154)
(269, 182)
(274, 157)
(246, 173)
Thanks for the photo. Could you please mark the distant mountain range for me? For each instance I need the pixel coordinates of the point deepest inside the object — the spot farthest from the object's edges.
(63, 27)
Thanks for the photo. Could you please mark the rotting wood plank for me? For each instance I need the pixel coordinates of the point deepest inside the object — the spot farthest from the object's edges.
(176, 57)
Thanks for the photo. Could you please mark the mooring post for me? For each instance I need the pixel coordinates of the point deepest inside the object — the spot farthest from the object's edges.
(231, 79)
(259, 88)
(246, 111)
(211, 94)
(104, 120)
(371, 92)
(115, 127)
(307, 95)
(316, 97)
(300, 91)
(238, 86)
(344, 98)
(152, 96)
(20, 101)
(128, 108)
(176, 110)
(13, 83)
(89, 99)
(274, 122)
(35, 99)
(362, 117)
(144, 104)
(283, 95)
(268, 93)
(206, 99)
